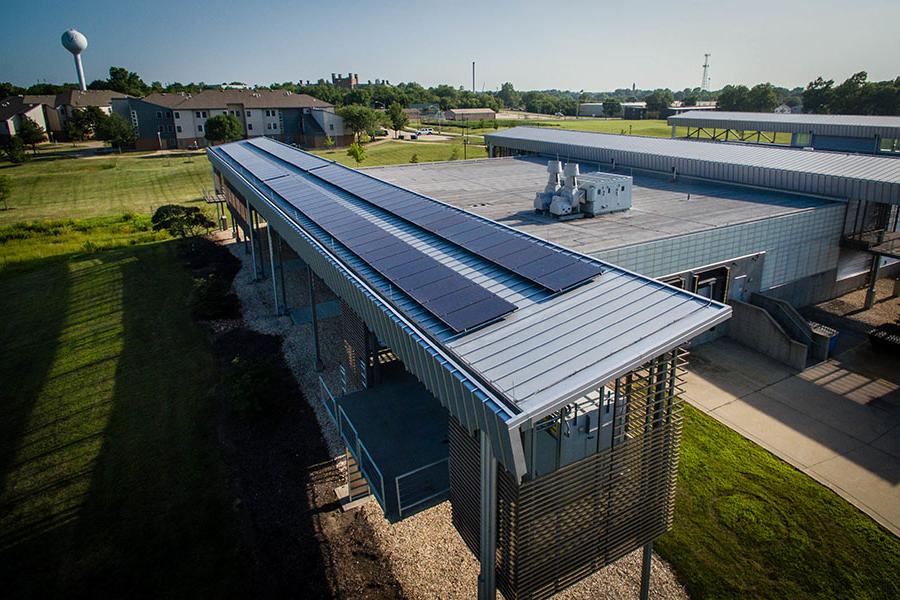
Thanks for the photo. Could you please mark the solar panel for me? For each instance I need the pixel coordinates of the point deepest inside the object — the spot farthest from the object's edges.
(251, 161)
(438, 288)
(551, 268)
(301, 160)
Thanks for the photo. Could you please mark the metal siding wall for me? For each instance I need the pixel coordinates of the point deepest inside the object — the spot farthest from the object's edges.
(810, 239)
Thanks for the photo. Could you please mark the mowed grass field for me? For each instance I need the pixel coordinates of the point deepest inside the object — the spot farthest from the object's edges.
(111, 478)
(395, 152)
(66, 188)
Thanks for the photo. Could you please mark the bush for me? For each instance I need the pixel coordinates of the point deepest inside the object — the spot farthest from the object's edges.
(15, 150)
(212, 298)
(181, 221)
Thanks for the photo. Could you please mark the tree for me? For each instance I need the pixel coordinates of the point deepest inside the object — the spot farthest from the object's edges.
(115, 130)
(84, 122)
(15, 150)
(659, 100)
(509, 96)
(357, 152)
(127, 82)
(8, 89)
(398, 118)
(5, 191)
(31, 133)
(181, 221)
(734, 97)
(818, 95)
(358, 118)
(612, 108)
(762, 98)
(223, 128)
(414, 158)
(329, 142)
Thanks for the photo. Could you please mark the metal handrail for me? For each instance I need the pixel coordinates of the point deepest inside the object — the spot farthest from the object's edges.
(357, 451)
(323, 387)
(409, 474)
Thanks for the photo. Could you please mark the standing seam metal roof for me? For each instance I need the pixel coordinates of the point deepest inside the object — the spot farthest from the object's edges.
(861, 126)
(841, 176)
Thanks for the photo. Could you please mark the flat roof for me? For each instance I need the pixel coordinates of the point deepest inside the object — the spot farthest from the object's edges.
(840, 176)
(503, 189)
(863, 126)
(552, 349)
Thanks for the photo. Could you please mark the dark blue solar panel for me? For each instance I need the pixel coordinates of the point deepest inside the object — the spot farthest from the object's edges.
(496, 244)
(438, 288)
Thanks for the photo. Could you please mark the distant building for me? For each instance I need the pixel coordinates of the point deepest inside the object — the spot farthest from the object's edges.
(68, 101)
(58, 108)
(677, 108)
(178, 120)
(470, 114)
(348, 83)
(15, 109)
(634, 111)
(590, 109)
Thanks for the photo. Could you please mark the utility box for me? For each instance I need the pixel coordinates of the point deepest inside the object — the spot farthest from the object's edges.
(605, 193)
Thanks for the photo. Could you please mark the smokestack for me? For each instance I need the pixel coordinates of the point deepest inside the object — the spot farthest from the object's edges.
(473, 76)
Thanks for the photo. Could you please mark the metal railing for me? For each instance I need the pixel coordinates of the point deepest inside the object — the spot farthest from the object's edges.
(411, 485)
(363, 458)
(328, 400)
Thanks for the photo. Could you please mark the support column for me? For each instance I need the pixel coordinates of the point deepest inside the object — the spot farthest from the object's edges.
(645, 571)
(315, 318)
(873, 279)
(673, 131)
(269, 235)
(252, 242)
(487, 584)
(284, 306)
(259, 243)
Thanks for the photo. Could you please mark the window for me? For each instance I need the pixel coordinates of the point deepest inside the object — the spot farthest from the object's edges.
(249, 126)
(331, 126)
(268, 126)
(274, 125)
(200, 128)
(170, 128)
(248, 113)
(168, 114)
(268, 113)
(159, 114)
(197, 114)
(177, 116)
(204, 114)
(178, 128)
(802, 139)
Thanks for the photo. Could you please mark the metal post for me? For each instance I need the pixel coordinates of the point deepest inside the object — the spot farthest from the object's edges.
(269, 234)
(487, 584)
(281, 275)
(873, 279)
(252, 243)
(262, 256)
(315, 319)
(673, 132)
(645, 571)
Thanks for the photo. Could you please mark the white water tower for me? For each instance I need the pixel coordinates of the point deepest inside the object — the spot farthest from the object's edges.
(75, 42)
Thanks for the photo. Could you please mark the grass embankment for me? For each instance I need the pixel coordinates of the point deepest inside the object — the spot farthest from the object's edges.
(110, 475)
(399, 152)
(748, 525)
(66, 187)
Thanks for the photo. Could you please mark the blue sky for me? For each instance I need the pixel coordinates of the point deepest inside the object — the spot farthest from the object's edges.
(594, 45)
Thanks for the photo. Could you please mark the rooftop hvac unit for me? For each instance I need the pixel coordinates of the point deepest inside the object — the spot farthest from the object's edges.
(570, 195)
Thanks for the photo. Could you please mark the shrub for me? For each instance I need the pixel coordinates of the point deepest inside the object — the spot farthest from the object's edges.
(181, 221)
(15, 150)
(414, 158)
(212, 298)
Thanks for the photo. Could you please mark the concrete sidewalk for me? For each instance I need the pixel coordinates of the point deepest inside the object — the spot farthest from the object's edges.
(838, 422)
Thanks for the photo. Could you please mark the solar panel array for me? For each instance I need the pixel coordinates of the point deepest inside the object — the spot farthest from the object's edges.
(301, 160)
(551, 268)
(457, 301)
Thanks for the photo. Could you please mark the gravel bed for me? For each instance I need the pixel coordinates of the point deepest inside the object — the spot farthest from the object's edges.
(442, 566)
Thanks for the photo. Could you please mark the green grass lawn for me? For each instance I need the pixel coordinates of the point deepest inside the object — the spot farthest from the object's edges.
(398, 152)
(67, 188)
(110, 473)
(748, 525)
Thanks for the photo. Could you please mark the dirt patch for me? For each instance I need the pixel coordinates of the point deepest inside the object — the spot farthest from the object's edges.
(850, 306)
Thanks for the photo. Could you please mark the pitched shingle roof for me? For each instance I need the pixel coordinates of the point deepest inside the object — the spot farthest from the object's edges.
(248, 98)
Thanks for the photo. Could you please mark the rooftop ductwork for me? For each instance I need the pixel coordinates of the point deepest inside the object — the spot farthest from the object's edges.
(570, 195)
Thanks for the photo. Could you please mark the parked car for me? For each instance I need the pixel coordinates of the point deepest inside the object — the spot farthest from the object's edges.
(425, 131)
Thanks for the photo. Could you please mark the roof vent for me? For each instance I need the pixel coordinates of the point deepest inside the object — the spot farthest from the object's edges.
(574, 196)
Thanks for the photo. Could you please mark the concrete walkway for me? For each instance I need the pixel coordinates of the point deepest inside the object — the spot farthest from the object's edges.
(838, 422)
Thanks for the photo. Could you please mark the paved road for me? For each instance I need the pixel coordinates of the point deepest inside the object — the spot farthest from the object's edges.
(838, 422)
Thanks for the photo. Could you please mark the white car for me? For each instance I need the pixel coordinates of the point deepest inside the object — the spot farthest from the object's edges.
(425, 131)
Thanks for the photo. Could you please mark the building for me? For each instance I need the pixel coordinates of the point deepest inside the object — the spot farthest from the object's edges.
(177, 120)
(841, 133)
(536, 387)
(634, 111)
(58, 108)
(470, 114)
(348, 83)
(590, 109)
(15, 109)
(678, 108)
(749, 225)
